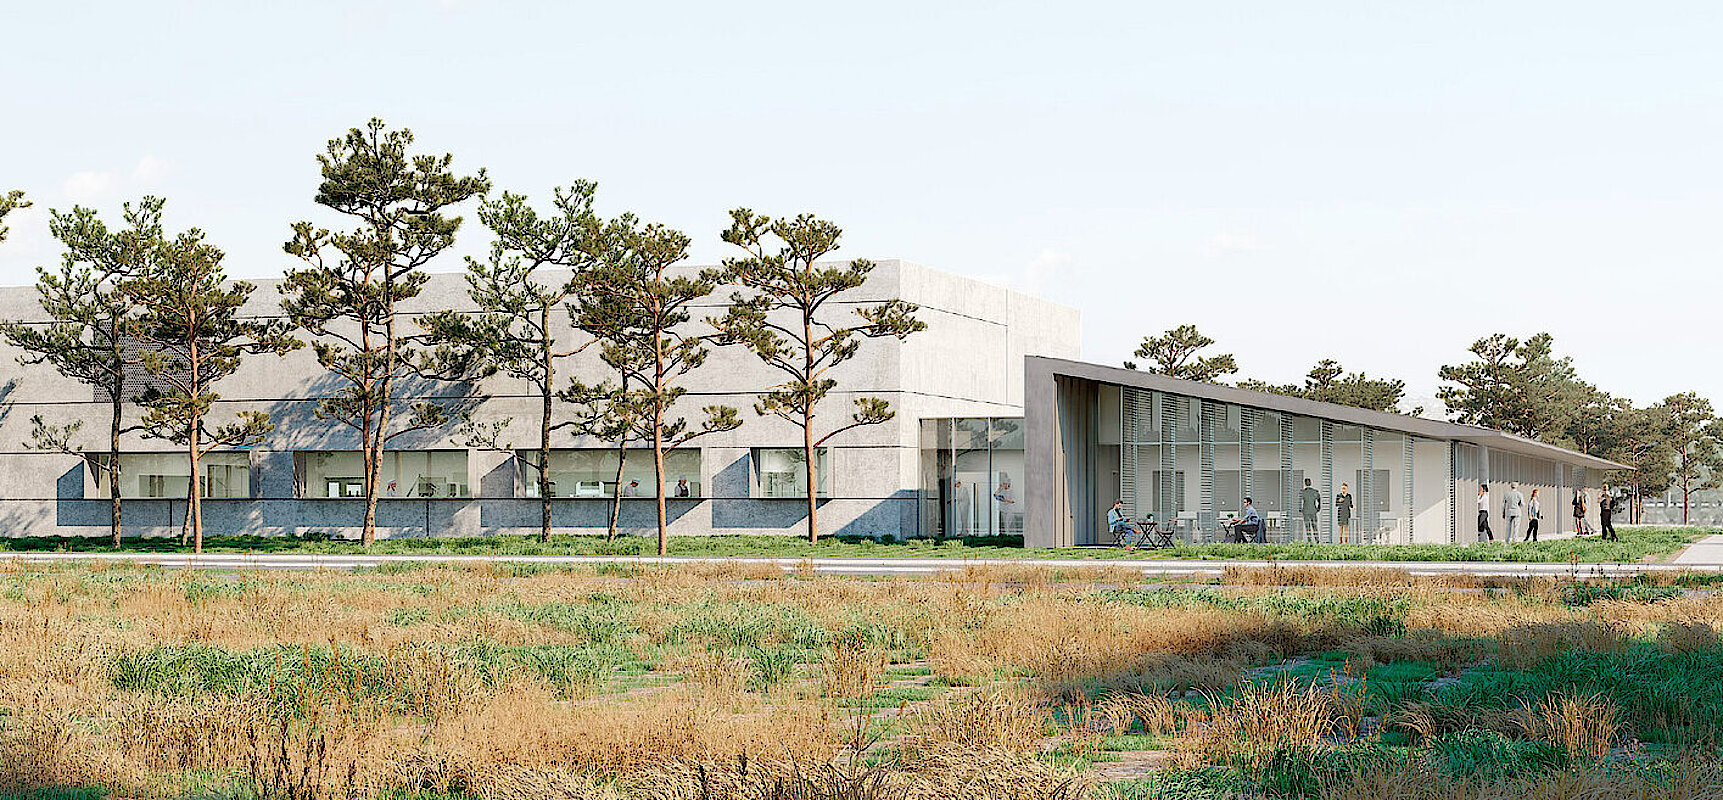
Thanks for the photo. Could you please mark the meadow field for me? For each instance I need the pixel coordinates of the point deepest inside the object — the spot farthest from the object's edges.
(741, 682)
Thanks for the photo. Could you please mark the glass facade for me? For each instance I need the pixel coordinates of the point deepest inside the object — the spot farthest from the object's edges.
(404, 473)
(1191, 463)
(972, 469)
(592, 473)
(148, 475)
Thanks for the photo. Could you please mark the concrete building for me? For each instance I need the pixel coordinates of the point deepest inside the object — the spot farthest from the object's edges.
(1190, 452)
(967, 365)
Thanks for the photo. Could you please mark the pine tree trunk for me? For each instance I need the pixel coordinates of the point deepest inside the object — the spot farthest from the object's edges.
(544, 424)
(616, 496)
(812, 477)
(808, 423)
(373, 470)
(195, 509)
(658, 477)
(113, 465)
(658, 436)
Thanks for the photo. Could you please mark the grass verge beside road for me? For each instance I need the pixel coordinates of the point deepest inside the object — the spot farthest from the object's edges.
(1637, 544)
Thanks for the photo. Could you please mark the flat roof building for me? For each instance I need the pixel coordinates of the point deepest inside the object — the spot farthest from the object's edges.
(998, 430)
(1189, 453)
(305, 477)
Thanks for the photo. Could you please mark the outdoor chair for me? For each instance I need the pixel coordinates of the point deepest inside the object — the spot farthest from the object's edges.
(1143, 534)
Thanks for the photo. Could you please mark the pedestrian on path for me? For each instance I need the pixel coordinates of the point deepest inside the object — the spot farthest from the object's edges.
(1513, 505)
(1484, 514)
(1309, 505)
(1343, 512)
(1579, 526)
(1605, 512)
(1534, 512)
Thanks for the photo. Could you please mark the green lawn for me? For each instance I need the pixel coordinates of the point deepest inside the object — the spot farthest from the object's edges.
(1637, 544)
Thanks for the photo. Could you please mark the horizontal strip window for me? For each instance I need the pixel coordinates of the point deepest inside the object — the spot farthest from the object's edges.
(168, 475)
(402, 473)
(592, 473)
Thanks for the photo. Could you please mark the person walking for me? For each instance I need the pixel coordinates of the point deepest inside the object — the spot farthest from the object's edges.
(1579, 527)
(1343, 512)
(1534, 512)
(1484, 513)
(1605, 514)
(1309, 505)
(1513, 505)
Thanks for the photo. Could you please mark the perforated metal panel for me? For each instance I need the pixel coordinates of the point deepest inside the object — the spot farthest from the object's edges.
(1169, 464)
(1410, 447)
(1286, 488)
(1371, 514)
(1206, 510)
(1329, 527)
(1132, 425)
(1247, 451)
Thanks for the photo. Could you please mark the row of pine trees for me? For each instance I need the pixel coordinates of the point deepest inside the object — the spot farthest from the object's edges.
(134, 302)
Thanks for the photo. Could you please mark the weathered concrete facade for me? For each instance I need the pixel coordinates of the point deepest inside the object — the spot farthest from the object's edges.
(968, 363)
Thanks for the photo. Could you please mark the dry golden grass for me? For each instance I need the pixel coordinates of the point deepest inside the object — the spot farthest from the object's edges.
(1026, 638)
(1243, 730)
(1588, 727)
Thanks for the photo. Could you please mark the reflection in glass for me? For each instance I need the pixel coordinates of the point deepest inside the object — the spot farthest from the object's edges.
(783, 472)
(592, 473)
(149, 475)
(403, 473)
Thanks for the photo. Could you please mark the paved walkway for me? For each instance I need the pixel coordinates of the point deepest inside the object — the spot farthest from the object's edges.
(1710, 558)
(1706, 551)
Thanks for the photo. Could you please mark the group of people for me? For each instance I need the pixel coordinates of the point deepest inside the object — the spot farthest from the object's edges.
(1248, 526)
(1516, 505)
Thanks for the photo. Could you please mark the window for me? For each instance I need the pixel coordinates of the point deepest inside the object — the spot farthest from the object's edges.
(403, 473)
(782, 472)
(592, 473)
(146, 475)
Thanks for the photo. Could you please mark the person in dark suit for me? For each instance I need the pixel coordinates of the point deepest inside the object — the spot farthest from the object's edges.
(1605, 512)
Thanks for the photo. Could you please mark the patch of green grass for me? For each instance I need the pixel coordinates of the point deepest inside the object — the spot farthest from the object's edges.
(1654, 689)
(1487, 754)
(1208, 783)
(1584, 594)
(281, 673)
(1135, 741)
(1316, 605)
(57, 793)
(1637, 544)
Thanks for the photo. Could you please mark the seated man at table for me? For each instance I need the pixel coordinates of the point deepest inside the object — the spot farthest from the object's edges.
(1117, 522)
(1249, 527)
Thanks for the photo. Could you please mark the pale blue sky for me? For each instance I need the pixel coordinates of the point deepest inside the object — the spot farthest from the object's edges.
(1377, 182)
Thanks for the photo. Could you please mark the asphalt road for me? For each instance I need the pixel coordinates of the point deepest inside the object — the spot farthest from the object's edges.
(853, 566)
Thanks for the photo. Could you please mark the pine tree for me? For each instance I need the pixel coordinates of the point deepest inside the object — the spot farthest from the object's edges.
(513, 331)
(348, 297)
(784, 319)
(190, 338)
(10, 202)
(639, 312)
(88, 315)
(1174, 353)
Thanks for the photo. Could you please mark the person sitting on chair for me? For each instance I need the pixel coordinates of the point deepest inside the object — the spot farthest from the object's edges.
(1117, 522)
(1249, 526)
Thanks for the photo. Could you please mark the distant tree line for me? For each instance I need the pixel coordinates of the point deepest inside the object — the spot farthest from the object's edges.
(134, 306)
(1515, 386)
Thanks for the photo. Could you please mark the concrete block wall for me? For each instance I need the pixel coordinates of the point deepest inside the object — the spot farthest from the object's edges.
(968, 363)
